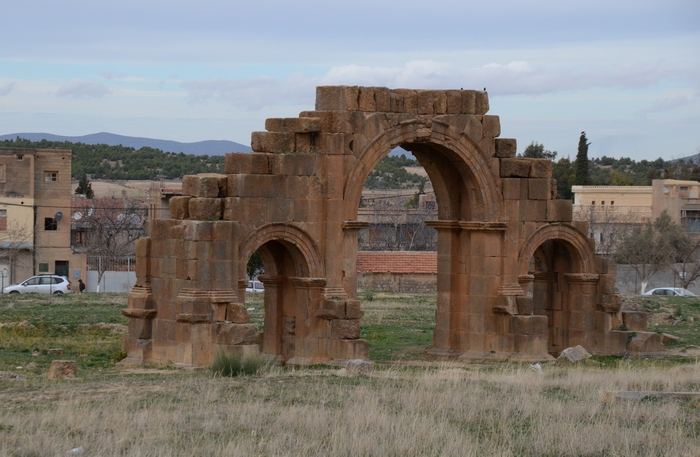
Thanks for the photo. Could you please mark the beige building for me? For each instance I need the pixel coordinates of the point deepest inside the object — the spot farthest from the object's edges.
(611, 210)
(35, 208)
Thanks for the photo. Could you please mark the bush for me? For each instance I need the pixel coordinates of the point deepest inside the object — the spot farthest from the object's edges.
(233, 363)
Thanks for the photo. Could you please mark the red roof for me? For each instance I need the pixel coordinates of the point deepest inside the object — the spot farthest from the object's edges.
(424, 262)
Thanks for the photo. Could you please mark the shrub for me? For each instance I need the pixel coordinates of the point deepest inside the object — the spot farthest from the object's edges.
(233, 363)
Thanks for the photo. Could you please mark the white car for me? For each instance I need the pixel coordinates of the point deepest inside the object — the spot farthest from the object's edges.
(670, 292)
(255, 287)
(42, 284)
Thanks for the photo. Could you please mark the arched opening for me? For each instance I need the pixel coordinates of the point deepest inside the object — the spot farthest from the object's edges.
(562, 291)
(466, 192)
(292, 282)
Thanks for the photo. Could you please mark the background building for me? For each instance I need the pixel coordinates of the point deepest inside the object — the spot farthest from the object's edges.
(35, 208)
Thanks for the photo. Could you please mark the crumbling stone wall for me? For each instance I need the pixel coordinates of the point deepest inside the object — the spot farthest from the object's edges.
(516, 278)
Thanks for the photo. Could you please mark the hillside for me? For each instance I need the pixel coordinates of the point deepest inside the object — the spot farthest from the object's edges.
(210, 147)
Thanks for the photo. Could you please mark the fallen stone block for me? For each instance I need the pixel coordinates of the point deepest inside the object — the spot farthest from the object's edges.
(359, 367)
(669, 339)
(63, 369)
(573, 355)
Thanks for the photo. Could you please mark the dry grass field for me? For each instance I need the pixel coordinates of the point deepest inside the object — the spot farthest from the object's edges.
(404, 408)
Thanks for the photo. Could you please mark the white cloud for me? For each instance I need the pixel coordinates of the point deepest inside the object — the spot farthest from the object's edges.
(80, 88)
(513, 78)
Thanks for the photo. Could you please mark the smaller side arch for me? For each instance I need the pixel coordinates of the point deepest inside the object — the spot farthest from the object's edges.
(314, 266)
(582, 251)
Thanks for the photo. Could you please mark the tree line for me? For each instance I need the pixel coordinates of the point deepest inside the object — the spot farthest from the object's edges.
(608, 171)
(101, 161)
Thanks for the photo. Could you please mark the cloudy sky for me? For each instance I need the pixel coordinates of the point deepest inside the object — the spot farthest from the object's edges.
(627, 72)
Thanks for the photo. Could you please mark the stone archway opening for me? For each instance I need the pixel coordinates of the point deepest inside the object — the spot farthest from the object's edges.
(458, 220)
(281, 301)
(560, 290)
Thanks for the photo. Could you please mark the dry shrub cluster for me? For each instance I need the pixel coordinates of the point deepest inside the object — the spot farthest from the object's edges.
(505, 410)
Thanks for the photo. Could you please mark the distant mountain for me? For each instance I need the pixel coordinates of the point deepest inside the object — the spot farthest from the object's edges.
(210, 147)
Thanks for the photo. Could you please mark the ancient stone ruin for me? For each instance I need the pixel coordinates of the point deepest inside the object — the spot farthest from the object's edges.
(517, 279)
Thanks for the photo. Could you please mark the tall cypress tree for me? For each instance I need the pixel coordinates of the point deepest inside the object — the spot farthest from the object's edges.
(581, 164)
(85, 187)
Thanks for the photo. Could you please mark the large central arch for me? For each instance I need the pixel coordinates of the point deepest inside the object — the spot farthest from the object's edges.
(296, 198)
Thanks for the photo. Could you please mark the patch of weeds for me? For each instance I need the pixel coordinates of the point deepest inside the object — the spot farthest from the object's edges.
(557, 393)
(6, 428)
(233, 363)
(368, 295)
(623, 328)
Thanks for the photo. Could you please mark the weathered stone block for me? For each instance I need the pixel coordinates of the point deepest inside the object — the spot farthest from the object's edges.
(231, 334)
(453, 101)
(491, 126)
(533, 210)
(353, 309)
(481, 102)
(512, 188)
(538, 189)
(206, 209)
(63, 369)
(635, 320)
(559, 210)
(541, 168)
(179, 207)
(424, 102)
(506, 147)
(345, 329)
(142, 247)
(237, 314)
(646, 342)
(293, 125)
(530, 325)
(525, 305)
(332, 309)
(272, 142)
(469, 102)
(205, 185)
(515, 168)
(337, 98)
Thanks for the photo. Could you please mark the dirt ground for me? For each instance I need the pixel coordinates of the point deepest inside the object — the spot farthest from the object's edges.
(131, 189)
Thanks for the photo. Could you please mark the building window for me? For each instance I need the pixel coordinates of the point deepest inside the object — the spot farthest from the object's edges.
(20, 156)
(50, 223)
(602, 203)
(79, 238)
(429, 205)
(3, 173)
(3, 220)
(43, 268)
(593, 203)
(50, 176)
(612, 202)
(684, 189)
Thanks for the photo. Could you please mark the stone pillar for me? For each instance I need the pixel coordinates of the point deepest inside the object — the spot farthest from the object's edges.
(334, 210)
(450, 287)
(273, 321)
(482, 247)
(350, 235)
(308, 304)
(582, 306)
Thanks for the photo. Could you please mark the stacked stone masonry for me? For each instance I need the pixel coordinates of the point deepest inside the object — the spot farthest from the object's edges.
(516, 278)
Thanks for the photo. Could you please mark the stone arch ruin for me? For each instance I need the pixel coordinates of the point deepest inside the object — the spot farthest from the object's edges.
(517, 279)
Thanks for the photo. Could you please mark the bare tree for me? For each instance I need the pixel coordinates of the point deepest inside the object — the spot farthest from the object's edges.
(651, 248)
(608, 225)
(107, 229)
(16, 244)
(687, 267)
